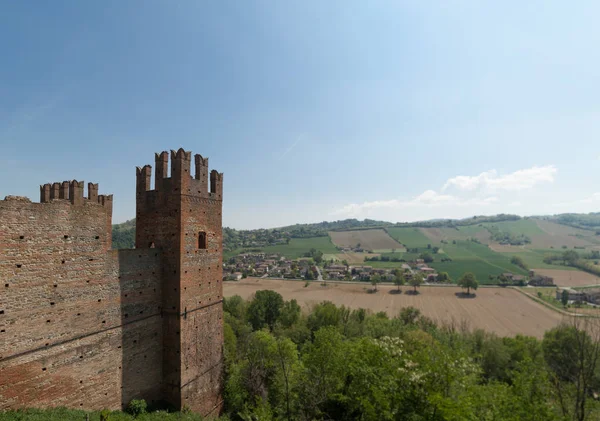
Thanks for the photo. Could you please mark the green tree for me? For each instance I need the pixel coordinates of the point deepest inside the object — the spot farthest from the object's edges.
(468, 281)
(264, 309)
(235, 305)
(571, 352)
(399, 280)
(427, 257)
(375, 279)
(416, 281)
(518, 261)
(325, 370)
(443, 277)
(564, 297)
(570, 257)
(289, 314)
(324, 314)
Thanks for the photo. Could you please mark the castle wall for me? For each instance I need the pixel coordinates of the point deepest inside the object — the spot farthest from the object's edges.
(84, 326)
(80, 324)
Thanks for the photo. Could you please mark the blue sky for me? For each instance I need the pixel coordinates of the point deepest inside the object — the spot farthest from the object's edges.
(314, 110)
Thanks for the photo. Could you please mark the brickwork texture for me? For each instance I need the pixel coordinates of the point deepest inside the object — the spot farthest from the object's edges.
(84, 326)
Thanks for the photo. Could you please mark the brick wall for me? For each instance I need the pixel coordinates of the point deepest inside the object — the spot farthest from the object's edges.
(87, 327)
(81, 324)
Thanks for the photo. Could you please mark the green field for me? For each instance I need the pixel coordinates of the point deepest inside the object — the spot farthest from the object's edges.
(468, 256)
(534, 258)
(410, 237)
(523, 226)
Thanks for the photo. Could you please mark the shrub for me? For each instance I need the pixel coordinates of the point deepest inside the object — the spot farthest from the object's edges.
(137, 407)
(105, 415)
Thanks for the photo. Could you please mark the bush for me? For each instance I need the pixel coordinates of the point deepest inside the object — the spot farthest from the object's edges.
(137, 407)
(105, 415)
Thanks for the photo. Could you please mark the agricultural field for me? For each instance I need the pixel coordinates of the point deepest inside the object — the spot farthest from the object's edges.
(468, 256)
(370, 239)
(436, 235)
(557, 235)
(504, 311)
(570, 278)
(354, 258)
(410, 237)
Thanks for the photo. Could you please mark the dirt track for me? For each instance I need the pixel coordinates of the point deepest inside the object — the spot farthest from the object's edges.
(500, 310)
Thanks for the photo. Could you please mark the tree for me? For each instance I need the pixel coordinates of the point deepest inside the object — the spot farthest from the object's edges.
(518, 261)
(570, 257)
(264, 309)
(564, 297)
(399, 280)
(416, 281)
(375, 279)
(572, 352)
(468, 281)
(427, 257)
(289, 314)
(443, 277)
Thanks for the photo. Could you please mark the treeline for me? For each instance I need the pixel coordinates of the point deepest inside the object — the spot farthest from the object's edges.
(123, 235)
(587, 262)
(506, 237)
(590, 221)
(341, 364)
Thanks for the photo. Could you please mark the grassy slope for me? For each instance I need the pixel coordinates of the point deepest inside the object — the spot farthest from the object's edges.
(411, 237)
(468, 256)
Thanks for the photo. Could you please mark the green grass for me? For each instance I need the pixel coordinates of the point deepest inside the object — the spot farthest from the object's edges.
(534, 258)
(468, 256)
(480, 269)
(62, 414)
(411, 237)
(523, 226)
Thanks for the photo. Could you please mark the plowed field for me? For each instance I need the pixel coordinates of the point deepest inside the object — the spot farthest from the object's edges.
(375, 239)
(501, 310)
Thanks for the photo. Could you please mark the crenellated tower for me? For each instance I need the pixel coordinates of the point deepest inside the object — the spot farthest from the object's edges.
(182, 218)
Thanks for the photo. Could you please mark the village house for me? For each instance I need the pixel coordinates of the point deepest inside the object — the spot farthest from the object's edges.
(540, 280)
(574, 295)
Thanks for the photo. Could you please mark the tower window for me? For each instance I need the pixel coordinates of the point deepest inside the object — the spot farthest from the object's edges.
(202, 240)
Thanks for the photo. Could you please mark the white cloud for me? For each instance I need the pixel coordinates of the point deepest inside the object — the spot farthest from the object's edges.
(491, 181)
(428, 199)
(460, 197)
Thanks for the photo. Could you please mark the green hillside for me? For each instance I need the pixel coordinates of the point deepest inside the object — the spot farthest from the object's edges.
(410, 237)
(481, 245)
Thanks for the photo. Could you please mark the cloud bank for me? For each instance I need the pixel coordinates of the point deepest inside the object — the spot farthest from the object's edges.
(459, 197)
(491, 181)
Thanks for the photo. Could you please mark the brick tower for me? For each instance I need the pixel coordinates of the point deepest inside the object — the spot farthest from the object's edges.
(182, 219)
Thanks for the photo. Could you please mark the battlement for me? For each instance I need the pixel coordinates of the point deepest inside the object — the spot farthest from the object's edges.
(88, 327)
(181, 180)
(73, 192)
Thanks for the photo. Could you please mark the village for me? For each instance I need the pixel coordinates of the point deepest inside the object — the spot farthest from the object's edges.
(265, 265)
(277, 266)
